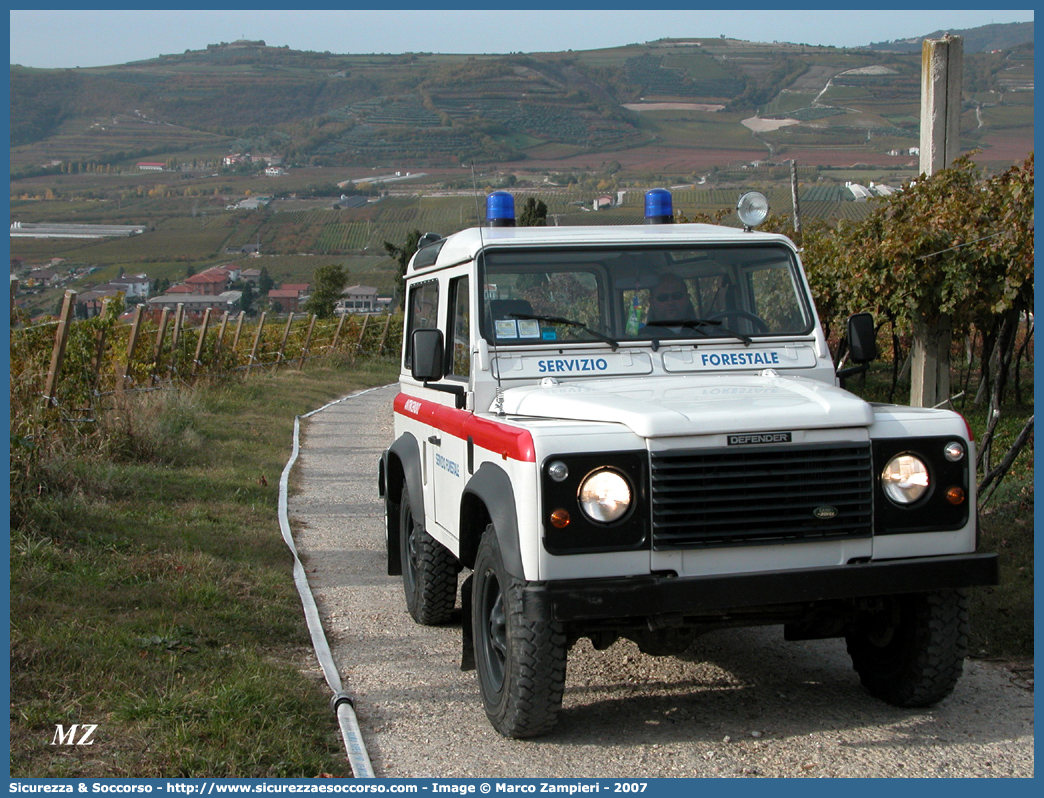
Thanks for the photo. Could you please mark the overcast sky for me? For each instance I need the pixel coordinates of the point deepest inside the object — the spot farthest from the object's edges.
(71, 38)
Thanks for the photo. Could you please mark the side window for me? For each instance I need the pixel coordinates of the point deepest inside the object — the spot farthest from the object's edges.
(712, 295)
(777, 300)
(459, 342)
(423, 308)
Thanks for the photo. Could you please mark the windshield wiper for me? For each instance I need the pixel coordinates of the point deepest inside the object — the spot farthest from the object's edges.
(569, 323)
(696, 324)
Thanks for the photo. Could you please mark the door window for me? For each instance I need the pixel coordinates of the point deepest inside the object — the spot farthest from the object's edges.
(423, 308)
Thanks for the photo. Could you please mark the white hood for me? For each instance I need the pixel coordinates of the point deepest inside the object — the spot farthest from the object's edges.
(666, 406)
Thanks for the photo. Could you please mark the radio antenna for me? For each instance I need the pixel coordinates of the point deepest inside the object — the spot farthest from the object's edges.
(494, 364)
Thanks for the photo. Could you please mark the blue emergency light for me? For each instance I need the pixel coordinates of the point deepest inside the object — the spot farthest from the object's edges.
(500, 209)
(659, 207)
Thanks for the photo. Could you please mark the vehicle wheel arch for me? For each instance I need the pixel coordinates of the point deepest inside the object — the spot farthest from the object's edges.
(488, 498)
(400, 467)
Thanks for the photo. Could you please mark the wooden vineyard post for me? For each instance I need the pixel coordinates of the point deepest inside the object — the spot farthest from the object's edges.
(362, 332)
(337, 332)
(179, 318)
(221, 334)
(132, 342)
(282, 344)
(239, 329)
(99, 349)
(257, 341)
(202, 340)
(308, 341)
(175, 338)
(384, 336)
(157, 350)
(61, 337)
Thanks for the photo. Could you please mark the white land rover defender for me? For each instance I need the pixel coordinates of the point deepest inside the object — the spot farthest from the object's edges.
(638, 431)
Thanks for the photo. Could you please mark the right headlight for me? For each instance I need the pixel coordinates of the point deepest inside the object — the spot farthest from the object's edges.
(905, 479)
(605, 496)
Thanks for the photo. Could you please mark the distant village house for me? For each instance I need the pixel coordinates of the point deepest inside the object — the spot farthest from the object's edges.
(357, 299)
(284, 300)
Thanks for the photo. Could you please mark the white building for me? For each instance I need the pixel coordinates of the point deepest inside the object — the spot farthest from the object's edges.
(357, 299)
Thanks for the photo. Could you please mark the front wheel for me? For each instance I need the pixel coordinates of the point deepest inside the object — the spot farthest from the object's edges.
(520, 660)
(429, 570)
(911, 653)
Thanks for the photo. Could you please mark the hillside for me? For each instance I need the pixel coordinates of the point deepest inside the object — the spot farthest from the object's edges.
(985, 39)
(711, 96)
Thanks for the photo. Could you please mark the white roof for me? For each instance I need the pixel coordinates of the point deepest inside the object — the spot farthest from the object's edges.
(466, 244)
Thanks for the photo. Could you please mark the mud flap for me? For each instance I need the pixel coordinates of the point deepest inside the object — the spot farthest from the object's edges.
(467, 640)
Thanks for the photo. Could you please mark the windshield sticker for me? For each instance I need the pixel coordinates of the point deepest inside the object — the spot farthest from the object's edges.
(507, 328)
(528, 328)
(550, 335)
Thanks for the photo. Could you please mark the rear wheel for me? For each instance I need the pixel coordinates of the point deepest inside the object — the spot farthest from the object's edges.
(911, 653)
(429, 570)
(520, 661)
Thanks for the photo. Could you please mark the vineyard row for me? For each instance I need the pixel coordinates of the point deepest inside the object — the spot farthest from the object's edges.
(69, 364)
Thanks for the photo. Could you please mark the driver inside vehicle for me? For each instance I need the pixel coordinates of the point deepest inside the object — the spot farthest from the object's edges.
(669, 300)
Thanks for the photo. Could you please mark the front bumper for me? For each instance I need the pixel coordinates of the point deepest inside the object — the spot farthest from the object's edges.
(657, 595)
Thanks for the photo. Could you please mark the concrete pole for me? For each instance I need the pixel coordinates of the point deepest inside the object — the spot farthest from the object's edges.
(794, 201)
(942, 74)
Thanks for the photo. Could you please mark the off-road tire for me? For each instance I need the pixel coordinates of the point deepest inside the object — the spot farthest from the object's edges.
(912, 653)
(429, 570)
(520, 661)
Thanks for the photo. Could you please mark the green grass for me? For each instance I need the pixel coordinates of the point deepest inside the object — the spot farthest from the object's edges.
(151, 591)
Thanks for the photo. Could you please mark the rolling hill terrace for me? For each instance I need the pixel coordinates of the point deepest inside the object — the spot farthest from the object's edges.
(430, 110)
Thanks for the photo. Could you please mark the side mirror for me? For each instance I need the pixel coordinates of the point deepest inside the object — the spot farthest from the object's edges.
(862, 338)
(428, 348)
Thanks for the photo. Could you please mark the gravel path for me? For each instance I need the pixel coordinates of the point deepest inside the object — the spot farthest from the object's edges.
(742, 703)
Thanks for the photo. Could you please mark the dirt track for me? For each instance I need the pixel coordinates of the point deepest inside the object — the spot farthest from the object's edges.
(740, 704)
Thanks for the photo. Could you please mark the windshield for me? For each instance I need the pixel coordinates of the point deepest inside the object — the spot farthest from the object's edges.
(641, 294)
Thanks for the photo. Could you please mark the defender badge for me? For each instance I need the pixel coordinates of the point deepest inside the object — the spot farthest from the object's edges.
(760, 437)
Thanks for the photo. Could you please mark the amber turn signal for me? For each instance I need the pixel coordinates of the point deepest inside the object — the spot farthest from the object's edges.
(559, 518)
(955, 495)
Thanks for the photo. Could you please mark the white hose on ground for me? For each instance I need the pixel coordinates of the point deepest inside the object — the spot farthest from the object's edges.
(341, 702)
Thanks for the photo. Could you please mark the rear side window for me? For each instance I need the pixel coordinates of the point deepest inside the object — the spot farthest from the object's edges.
(423, 313)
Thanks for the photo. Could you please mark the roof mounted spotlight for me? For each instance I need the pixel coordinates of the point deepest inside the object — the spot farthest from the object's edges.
(659, 206)
(500, 209)
(752, 208)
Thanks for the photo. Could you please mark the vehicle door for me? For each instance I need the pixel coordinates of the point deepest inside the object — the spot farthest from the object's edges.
(451, 446)
(422, 307)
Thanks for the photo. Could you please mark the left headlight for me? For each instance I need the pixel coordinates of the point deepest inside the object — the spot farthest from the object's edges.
(905, 479)
(605, 496)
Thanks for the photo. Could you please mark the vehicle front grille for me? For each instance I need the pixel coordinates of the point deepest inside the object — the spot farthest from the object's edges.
(768, 494)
